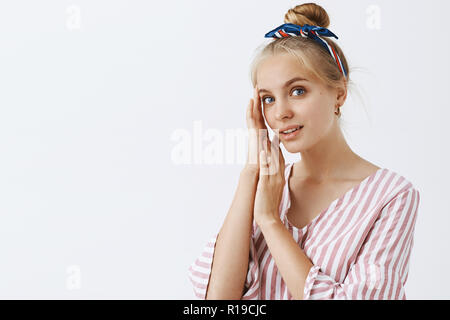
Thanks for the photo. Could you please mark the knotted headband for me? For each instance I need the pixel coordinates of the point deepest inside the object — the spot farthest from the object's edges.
(311, 32)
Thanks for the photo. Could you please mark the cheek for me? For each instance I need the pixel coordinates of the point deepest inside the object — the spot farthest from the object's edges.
(317, 117)
(310, 113)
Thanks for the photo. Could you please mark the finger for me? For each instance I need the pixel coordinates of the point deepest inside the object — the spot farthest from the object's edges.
(269, 143)
(282, 162)
(274, 158)
(253, 147)
(277, 157)
(280, 157)
(257, 113)
(262, 140)
(256, 102)
(249, 115)
(275, 144)
(263, 165)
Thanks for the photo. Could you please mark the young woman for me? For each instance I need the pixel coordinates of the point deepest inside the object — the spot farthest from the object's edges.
(331, 226)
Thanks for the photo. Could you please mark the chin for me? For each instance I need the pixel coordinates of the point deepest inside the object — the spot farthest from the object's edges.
(293, 147)
(297, 146)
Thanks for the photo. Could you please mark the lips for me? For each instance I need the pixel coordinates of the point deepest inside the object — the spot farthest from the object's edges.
(290, 128)
(290, 136)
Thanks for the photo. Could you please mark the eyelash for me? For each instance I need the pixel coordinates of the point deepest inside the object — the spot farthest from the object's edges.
(298, 88)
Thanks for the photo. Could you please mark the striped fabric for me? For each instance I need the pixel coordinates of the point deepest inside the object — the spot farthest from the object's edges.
(312, 32)
(360, 245)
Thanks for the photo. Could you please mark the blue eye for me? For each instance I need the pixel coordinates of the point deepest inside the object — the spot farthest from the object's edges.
(299, 89)
(265, 101)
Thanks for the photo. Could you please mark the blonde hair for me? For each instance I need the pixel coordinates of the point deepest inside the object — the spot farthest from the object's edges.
(310, 54)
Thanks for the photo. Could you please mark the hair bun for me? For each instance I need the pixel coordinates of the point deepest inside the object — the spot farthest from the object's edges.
(308, 13)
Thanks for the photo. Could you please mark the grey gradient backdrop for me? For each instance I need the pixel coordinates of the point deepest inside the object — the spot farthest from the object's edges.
(92, 203)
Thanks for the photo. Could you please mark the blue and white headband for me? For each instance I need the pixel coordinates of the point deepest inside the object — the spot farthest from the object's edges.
(311, 32)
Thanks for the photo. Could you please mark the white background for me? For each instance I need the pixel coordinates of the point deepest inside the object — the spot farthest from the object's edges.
(92, 203)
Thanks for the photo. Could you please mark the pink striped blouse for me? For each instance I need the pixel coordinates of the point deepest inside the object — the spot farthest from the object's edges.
(359, 246)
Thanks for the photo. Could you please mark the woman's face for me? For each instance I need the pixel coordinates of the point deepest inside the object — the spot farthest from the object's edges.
(287, 100)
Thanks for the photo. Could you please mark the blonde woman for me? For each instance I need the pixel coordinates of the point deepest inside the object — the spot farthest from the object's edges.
(330, 226)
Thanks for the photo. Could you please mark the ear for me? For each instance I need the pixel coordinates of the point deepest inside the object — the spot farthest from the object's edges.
(341, 95)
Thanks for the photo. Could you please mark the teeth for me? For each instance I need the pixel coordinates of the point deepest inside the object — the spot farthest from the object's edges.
(292, 130)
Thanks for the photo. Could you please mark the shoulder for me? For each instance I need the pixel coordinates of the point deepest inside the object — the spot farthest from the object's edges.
(395, 186)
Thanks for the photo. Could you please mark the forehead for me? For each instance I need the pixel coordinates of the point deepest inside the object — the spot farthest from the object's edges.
(275, 70)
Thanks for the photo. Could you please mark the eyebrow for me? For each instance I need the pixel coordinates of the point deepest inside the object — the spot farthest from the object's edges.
(286, 84)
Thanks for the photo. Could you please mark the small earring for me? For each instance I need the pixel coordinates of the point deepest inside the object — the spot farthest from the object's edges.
(338, 113)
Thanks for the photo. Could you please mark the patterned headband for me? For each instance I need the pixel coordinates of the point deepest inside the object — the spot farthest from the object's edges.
(311, 32)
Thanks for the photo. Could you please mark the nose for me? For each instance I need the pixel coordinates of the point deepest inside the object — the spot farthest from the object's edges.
(283, 110)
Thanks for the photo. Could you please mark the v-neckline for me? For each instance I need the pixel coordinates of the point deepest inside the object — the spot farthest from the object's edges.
(317, 217)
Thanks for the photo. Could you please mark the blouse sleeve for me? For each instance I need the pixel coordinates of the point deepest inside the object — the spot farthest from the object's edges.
(200, 270)
(381, 267)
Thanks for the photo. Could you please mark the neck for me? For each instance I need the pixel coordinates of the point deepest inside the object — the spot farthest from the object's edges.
(329, 159)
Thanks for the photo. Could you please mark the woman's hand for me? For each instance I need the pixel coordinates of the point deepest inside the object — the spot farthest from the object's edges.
(270, 184)
(257, 132)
